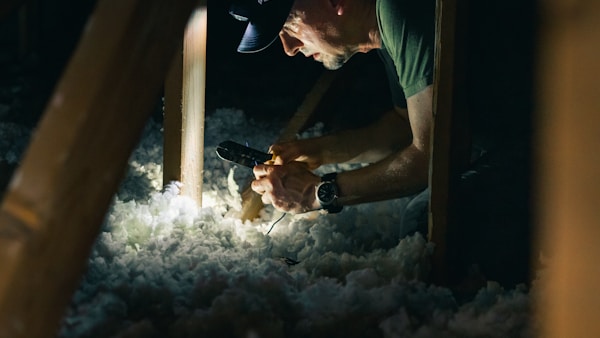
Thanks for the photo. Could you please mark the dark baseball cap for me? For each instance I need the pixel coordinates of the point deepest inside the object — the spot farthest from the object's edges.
(265, 19)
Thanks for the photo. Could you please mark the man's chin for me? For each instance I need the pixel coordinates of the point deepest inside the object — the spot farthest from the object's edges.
(332, 62)
(335, 64)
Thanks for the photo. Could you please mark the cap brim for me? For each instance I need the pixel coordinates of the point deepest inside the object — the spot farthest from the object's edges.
(256, 39)
(262, 31)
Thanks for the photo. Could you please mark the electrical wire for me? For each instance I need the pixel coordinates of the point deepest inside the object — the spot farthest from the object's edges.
(277, 221)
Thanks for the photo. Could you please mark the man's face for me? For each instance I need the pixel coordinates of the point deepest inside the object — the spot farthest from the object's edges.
(315, 32)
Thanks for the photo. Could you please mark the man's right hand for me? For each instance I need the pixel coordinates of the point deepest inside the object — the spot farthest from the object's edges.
(308, 151)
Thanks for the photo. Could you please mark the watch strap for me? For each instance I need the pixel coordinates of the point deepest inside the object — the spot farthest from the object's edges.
(330, 177)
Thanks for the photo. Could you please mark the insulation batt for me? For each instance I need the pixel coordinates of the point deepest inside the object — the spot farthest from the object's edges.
(163, 267)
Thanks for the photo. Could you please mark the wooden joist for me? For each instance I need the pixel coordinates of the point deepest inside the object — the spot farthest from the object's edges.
(57, 199)
(449, 146)
(567, 301)
(185, 107)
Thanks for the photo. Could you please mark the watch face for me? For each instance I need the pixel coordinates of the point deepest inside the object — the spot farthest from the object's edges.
(327, 193)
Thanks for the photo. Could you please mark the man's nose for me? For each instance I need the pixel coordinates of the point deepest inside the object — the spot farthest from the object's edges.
(291, 45)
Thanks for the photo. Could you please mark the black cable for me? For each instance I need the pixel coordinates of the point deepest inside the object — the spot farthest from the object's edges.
(277, 221)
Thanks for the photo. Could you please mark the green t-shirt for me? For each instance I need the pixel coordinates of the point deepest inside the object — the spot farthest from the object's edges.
(407, 29)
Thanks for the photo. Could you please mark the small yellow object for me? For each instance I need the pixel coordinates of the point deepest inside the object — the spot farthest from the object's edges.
(272, 160)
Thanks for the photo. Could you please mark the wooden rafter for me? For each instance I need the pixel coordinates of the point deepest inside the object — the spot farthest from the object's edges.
(58, 196)
(449, 146)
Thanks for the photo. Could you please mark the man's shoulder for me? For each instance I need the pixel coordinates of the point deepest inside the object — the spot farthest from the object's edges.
(407, 30)
(396, 16)
(404, 9)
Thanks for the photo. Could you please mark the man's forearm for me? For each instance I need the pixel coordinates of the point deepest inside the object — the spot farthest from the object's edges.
(368, 144)
(404, 172)
(398, 175)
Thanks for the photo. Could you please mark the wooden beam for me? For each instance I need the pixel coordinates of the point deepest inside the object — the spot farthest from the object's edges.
(567, 301)
(185, 110)
(172, 120)
(251, 201)
(449, 144)
(58, 197)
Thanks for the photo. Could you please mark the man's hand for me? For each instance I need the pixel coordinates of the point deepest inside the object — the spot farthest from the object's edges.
(368, 144)
(305, 150)
(289, 187)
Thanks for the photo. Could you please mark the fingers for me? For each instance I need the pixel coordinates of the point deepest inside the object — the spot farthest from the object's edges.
(288, 187)
(262, 182)
(297, 151)
(275, 149)
(266, 199)
(278, 160)
(284, 152)
(261, 186)
(262, 170)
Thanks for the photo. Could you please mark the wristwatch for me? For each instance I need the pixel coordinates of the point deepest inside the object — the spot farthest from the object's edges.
(327, 193)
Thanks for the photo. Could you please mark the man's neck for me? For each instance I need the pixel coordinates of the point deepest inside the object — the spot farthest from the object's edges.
(365, 13)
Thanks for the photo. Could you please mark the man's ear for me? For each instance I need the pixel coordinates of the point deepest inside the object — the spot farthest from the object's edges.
(338, 6)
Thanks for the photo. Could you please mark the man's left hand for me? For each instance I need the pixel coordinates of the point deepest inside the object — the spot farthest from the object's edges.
(289, 187)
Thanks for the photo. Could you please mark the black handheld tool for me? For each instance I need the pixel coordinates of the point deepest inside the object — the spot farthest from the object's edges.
(241, 154)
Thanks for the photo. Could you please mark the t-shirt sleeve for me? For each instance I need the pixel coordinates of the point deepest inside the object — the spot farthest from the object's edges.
(394, 85)
(407, 31)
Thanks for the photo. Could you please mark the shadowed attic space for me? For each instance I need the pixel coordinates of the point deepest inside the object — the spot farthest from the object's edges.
(269, 86)
(151, 299)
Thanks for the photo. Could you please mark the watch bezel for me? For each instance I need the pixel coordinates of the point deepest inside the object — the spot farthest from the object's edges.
(328, 182)
(327, 193)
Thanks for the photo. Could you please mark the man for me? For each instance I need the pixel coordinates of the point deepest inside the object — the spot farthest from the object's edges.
(494, 193)
(397, 145)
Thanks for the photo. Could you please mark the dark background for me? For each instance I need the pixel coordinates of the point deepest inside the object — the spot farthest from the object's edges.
(267, 84)
(270, 85)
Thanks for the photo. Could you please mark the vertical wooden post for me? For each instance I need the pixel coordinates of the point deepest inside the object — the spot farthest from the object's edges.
(172, 121)
(567, 176)
(58, 197)
(449, 144)
(184, 122)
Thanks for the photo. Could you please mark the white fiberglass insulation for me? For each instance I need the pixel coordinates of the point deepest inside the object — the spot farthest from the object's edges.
(163, 267)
